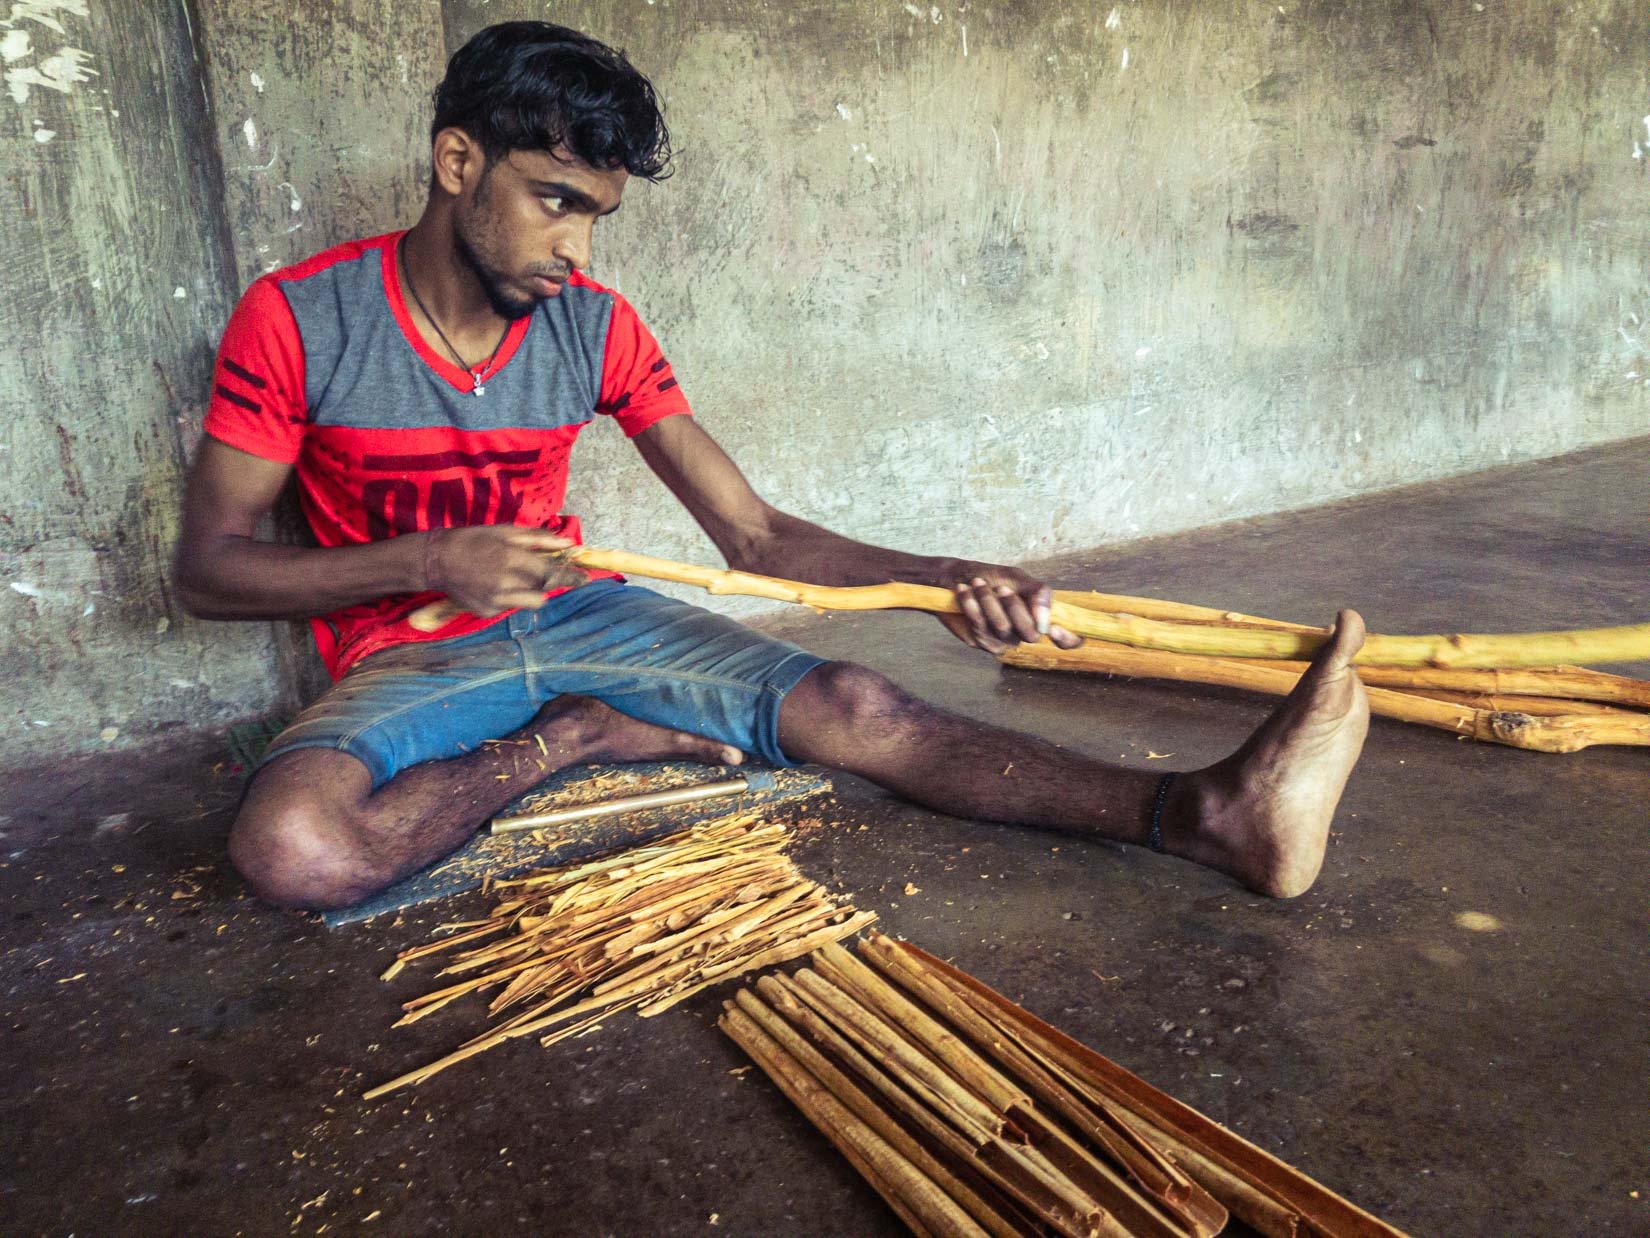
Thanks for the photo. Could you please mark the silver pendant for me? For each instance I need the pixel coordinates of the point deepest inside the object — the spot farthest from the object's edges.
(480, 387)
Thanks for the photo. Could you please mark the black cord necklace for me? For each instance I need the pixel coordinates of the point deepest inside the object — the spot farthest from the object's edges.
(477, 372)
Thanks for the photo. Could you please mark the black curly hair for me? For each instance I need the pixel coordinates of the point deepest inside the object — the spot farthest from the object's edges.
(529, 85)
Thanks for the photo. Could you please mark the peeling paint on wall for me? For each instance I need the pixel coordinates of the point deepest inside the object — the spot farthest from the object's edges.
(45, 12)
(60, 71)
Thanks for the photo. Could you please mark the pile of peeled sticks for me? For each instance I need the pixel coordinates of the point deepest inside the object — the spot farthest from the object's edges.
(646, 927)
(970, 1116)
(1524, 689)
(966, 1113)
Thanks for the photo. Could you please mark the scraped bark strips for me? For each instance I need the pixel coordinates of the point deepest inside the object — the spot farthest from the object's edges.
(1187, 629)
(645, 927)
(970, 1116)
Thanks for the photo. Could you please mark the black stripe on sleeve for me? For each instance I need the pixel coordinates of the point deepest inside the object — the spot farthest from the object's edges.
(246, 375)
(667, 384)
(658, 365)
(233, 398)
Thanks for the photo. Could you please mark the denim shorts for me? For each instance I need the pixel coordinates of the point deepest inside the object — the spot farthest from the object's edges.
(646, 655)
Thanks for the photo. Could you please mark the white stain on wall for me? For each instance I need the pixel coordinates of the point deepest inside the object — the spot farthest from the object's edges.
(59, 72)
(258, 82)
(250, 132)
(46, 12)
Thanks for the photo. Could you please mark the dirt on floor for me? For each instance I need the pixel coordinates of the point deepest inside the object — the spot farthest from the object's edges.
(1448, 1028)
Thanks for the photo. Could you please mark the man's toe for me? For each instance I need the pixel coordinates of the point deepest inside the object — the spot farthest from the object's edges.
(1347, 637)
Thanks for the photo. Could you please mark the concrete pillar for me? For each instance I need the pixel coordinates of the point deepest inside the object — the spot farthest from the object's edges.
(117, 281)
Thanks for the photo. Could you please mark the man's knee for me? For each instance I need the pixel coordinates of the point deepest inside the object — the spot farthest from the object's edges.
(296, 854)
(846, 702)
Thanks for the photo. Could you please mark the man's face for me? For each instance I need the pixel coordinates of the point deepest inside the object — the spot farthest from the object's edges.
(527, 224)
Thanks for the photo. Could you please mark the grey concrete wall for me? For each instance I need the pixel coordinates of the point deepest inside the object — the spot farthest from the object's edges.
(997, 279)
(116, 283)
(1007, 279)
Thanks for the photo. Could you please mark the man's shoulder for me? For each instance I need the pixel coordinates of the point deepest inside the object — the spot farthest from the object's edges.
(585, 287)
(588, 292)
(370, 247)
(305, 308)
(609, 304)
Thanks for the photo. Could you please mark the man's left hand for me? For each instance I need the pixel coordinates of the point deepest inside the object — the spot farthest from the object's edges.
(1001, 606)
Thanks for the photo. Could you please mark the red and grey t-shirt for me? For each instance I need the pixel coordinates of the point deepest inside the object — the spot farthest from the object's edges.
(322, 367)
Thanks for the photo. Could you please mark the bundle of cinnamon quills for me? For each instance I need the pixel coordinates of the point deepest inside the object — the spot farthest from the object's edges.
(645, 927)
(971, 1116)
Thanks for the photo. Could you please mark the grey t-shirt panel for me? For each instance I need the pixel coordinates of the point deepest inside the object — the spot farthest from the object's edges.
(360, 370)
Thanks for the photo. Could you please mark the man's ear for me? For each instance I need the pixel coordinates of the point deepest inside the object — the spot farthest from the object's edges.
(456, 160)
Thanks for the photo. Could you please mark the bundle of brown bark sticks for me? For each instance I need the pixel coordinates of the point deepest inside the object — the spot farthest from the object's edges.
(646, 927)
(971, 1116)
(1525, 689)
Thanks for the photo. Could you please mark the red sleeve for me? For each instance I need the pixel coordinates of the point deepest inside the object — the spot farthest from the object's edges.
(257, 400)
(638, 387)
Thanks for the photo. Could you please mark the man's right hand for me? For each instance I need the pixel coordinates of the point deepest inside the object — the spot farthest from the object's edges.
(489, 568)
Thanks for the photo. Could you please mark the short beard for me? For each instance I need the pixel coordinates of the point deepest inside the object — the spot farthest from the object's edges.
(504, 305)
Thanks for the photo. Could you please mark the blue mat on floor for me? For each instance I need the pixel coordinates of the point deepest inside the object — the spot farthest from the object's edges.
(507, 854)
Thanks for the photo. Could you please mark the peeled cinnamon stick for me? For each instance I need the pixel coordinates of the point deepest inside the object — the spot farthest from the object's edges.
(921, 1204)
(868, 1111)
(1616, 644)
(1049, 1169)
(1159, 1178)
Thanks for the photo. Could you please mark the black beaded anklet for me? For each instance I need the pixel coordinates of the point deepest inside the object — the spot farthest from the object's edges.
(1154, 839)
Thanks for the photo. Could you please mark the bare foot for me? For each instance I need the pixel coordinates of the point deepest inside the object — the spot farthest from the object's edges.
(587, 730)
(1262, 815)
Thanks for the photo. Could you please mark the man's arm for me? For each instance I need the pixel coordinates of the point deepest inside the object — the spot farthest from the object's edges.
(1000, 605)
(223, 572)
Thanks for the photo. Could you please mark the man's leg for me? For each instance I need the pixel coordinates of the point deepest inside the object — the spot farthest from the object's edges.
(1261, 815)
(312, 832)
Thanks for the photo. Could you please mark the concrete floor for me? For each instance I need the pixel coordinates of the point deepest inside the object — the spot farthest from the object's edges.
(180, 1059)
